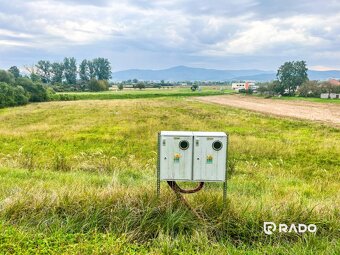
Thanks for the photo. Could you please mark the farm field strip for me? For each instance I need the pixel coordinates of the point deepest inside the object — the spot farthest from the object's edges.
(321, 112)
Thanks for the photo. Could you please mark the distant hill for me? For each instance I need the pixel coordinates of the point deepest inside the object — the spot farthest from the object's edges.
(323, 75)
(184, 73)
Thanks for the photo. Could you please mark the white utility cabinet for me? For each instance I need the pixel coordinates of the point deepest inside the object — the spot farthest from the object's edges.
(175, 155)
(210, 155)
(192, 156)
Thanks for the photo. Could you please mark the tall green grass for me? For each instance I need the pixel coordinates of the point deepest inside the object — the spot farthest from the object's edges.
(79, 177)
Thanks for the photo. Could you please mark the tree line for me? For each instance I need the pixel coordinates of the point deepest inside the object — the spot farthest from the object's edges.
(46, 78)
(17, 90)
(292, 79)
(90, 75)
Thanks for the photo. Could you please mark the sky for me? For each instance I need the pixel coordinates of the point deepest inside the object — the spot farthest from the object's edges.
(220, 34)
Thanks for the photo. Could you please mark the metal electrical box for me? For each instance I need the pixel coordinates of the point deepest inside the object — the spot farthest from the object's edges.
(175, 155)
(210, 155)
(192, 156)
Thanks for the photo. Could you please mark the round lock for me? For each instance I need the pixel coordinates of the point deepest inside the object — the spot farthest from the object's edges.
(217, 145)
(183, 145)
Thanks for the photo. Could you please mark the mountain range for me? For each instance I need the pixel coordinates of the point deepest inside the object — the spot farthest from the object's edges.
(185, 73)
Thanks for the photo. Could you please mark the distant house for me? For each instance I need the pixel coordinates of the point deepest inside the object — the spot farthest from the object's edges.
(330, 95)
(243, 85)
(334, 82)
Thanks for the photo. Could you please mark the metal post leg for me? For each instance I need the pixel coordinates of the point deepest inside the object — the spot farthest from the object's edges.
(158, 185)
(224, 194)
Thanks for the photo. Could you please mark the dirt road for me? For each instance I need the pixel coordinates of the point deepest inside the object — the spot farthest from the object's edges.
(322, 112)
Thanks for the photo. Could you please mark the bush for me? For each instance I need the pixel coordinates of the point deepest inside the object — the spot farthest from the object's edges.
(15, 71)
(37, 92)
(194, 87)
(12, 95)
(50, 93)
(246, 91)
(270, 88)
(139, 85)
(6, 77)
(63, 87)
(62, 97)
(120, 86)
(328, 87)
(58, 87)
(98, 85)
(309, 89)
(21, 96)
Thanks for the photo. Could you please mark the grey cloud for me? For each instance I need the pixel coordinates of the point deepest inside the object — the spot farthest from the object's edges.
(274, 8)
(140, 33)
(86, 2)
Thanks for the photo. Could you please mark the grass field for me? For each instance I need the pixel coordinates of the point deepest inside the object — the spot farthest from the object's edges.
(79, 177)
(145, 93)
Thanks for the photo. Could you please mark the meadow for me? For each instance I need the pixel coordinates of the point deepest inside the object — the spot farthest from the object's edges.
(130, 93)
(79, 177)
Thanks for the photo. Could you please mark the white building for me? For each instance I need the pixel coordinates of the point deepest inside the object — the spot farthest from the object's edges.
(243, 85)
(331, 95)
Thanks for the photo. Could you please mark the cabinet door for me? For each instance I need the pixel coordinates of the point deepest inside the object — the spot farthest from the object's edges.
(209, 158)
(176, 157)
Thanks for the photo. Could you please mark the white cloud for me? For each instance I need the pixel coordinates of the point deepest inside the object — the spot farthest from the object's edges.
(6, 32)
(185, 29)
(11, 43)
(280, 35)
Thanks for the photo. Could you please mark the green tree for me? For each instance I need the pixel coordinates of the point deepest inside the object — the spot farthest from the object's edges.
(278, 87)
(270, 88)
(194, 87)
(291, 75)
(70, 70)
(35, 78)
(98, 85)
(84, 72)
(37, 92)
(309, 89)
(57, 70)
(102, 68)
(92, 71)
(15, 71)
(7, 77)
(328, 87)
(12, 95)
(120, 86)
(44, 70)
(140, 85)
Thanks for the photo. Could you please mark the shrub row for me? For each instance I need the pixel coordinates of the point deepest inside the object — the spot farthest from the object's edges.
(20, 91)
